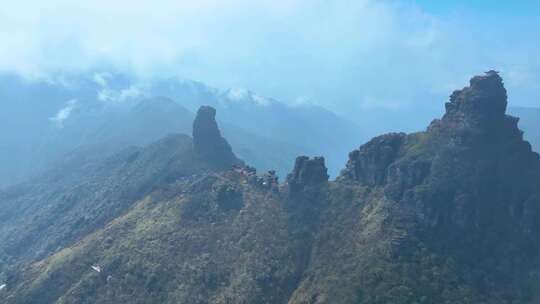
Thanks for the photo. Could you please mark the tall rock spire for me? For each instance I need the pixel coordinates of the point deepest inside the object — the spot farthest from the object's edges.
(207, 139)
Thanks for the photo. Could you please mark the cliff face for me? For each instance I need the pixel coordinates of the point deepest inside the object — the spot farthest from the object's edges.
(480, 105)
(460, 198)
(449, 215)
(307, 173)
(208, 142)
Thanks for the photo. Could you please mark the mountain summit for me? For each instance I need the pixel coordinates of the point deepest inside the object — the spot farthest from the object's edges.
(482, 103)
(479, 108)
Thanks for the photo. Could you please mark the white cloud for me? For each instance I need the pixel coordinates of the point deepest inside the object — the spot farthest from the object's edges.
(237, 94)
(117, 96)
(101, 79)
(40, 36)
(342, 53)
(261, 100)
(64, 113)
(244, 95)
(130, 92)
(105, 95)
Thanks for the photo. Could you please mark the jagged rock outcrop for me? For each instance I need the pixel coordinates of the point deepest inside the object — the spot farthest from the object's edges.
(369, 163)
(307, 172)
(208, 142)
(463, 193)
(482, 104)
(478, 112)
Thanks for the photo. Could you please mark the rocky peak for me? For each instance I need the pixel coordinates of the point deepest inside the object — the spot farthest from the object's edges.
(207, 139)
(307, 172)
(370, 162)
(482, 104)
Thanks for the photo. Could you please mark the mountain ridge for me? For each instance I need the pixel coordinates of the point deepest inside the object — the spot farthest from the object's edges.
(447, 215)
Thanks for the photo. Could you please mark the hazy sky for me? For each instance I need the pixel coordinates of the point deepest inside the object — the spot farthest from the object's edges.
(337, 53)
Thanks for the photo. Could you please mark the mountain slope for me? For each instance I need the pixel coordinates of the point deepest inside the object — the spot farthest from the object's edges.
(80, 196)
(449, 215)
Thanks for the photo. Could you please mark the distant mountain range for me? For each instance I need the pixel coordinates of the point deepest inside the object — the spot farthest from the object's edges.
(43, 121)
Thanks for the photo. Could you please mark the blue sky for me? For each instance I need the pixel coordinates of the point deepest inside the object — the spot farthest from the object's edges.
(480, 7)
(342, 54)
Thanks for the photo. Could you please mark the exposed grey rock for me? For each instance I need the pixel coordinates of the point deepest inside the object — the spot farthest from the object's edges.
(478, 109)
(370, 162)
(208, 142)
(307, 172)
(482, 103)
